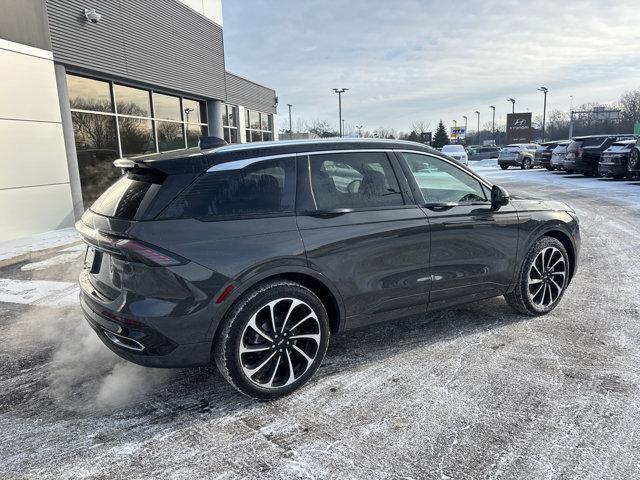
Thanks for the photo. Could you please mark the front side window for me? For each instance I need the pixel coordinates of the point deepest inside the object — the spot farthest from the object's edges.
(354, 180)
(237, 189)
(441, 182)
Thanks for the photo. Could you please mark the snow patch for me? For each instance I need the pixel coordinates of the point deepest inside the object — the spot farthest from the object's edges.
(34, 243)
(54, 261)
(43, 293)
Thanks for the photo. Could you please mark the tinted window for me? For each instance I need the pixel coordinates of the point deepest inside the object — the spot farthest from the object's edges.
(166, 107)
(194, 132)
(441, 182)
(354, 180)
(89, 94)
(132, 101)
(136, 136)
(170, 136)
(124, 197)
(262, 187)
(193, 111)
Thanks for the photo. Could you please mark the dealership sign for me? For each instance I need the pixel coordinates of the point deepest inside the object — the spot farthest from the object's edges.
(457, 133)
(519, 127)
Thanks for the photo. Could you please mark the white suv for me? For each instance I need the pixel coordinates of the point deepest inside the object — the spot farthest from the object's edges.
(456, 152)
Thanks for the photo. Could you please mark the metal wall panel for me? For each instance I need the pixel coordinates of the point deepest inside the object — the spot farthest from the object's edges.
(162, 43)
(24, 21)
(241, 91)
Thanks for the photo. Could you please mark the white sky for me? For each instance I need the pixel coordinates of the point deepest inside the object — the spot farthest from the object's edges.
(424, 60)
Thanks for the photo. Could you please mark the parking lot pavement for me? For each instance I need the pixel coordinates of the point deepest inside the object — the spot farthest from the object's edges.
(473, 392)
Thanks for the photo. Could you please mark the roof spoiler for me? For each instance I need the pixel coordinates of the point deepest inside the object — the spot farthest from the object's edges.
(211, 142)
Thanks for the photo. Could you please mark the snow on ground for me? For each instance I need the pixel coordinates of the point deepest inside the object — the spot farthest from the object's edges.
(473, 392)
(21, 247)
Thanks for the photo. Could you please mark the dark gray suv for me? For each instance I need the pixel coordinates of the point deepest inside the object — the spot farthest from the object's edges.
(253, 255)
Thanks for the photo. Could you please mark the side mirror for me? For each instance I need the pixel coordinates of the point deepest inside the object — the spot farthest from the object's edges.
(499, 197)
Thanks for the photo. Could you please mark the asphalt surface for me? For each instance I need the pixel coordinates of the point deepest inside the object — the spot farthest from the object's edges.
(472, 392)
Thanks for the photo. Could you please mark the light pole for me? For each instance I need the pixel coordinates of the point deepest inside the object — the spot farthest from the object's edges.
(544, 109)
(359, 127)
(513, 104)
(493, 123)
(455, 125)
(340, 91)
(187, 111)
(290, 124)
(478, 113)
(465, 128)
(343, 129)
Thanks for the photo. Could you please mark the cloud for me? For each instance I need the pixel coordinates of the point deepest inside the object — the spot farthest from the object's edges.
(409, 60)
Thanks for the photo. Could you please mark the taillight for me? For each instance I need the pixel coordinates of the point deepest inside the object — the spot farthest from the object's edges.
(138, 251)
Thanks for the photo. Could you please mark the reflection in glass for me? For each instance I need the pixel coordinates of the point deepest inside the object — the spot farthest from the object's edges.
(193, 111)
(254, 120)
(170, 136)
(97, 147)
(233, 121)
(88, 94)
(265, 122)
(132, 101)
(231, 135)
(255, 136)
(136, 136)
(194, 132)
(267, 137)
(166, 107)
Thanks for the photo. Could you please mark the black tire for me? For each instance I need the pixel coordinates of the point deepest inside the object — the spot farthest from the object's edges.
(526, 164)
(522, 298)
(634, 161)
(551, 169)
(236, 331)
(504, 167)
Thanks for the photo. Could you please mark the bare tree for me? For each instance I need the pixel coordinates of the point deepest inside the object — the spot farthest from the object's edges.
(420, 127)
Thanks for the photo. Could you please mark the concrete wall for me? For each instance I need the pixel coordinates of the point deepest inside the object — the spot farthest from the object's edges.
(35, 195)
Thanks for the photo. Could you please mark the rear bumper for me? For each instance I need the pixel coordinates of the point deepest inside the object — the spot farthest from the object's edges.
(139, 339)
(578, 165)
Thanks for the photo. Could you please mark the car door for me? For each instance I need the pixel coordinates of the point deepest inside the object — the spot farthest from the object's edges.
(473, 245)
(362, 231)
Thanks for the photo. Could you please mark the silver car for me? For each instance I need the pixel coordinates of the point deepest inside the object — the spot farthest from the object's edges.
(558, 154)
(518, 155)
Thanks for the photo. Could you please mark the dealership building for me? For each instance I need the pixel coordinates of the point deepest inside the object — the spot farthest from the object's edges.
(85, 82)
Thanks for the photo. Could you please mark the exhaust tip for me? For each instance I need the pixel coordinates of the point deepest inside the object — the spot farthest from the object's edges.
(123, 342)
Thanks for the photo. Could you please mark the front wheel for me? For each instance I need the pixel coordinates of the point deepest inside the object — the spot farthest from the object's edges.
(504, 167)
(526, 164)
(273, 340)
(543, 278)
(634, 161)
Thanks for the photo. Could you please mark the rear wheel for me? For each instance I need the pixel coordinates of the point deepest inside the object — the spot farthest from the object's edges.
(551, 169)
(504, 167)
(634, 160)
(273, 340)
(526, 163)
(543, 278)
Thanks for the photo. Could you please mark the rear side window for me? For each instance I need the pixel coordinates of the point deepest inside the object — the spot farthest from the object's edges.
(129, 194)
(354, 180)
(244, 187)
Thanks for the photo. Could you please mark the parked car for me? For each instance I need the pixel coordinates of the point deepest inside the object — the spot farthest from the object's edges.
(542, 155)
(558, 154)
(254, 255)
(517, 154)
(614, 161)
(583, 153)
(457, 152)
(634, 159)
(483, 153)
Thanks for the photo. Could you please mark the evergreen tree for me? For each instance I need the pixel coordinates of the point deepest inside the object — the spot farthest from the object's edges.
(413, 136)
(441, 138)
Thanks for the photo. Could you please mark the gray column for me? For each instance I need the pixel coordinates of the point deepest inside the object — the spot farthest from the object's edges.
(214, 116)
(69, 141)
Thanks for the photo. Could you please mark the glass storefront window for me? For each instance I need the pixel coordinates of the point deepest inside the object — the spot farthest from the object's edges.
(136, 136)
(166, 107)
(193, 111)
(88, 94)
(97, 147)
(194, 132)
(170, 136)
(259, 126)
(132, 101)
(96, 126)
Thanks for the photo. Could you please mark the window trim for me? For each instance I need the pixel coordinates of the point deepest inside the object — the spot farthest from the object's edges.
(415, 188)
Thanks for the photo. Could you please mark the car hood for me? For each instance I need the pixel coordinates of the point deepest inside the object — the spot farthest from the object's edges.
(534, 204)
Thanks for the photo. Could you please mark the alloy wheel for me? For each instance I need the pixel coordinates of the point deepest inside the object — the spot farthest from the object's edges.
(547, 277)
(280, 343)
(634, 159)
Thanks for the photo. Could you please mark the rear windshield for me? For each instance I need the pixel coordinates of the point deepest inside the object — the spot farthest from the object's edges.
(453, 148)
(585, 142)
(124, 198)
